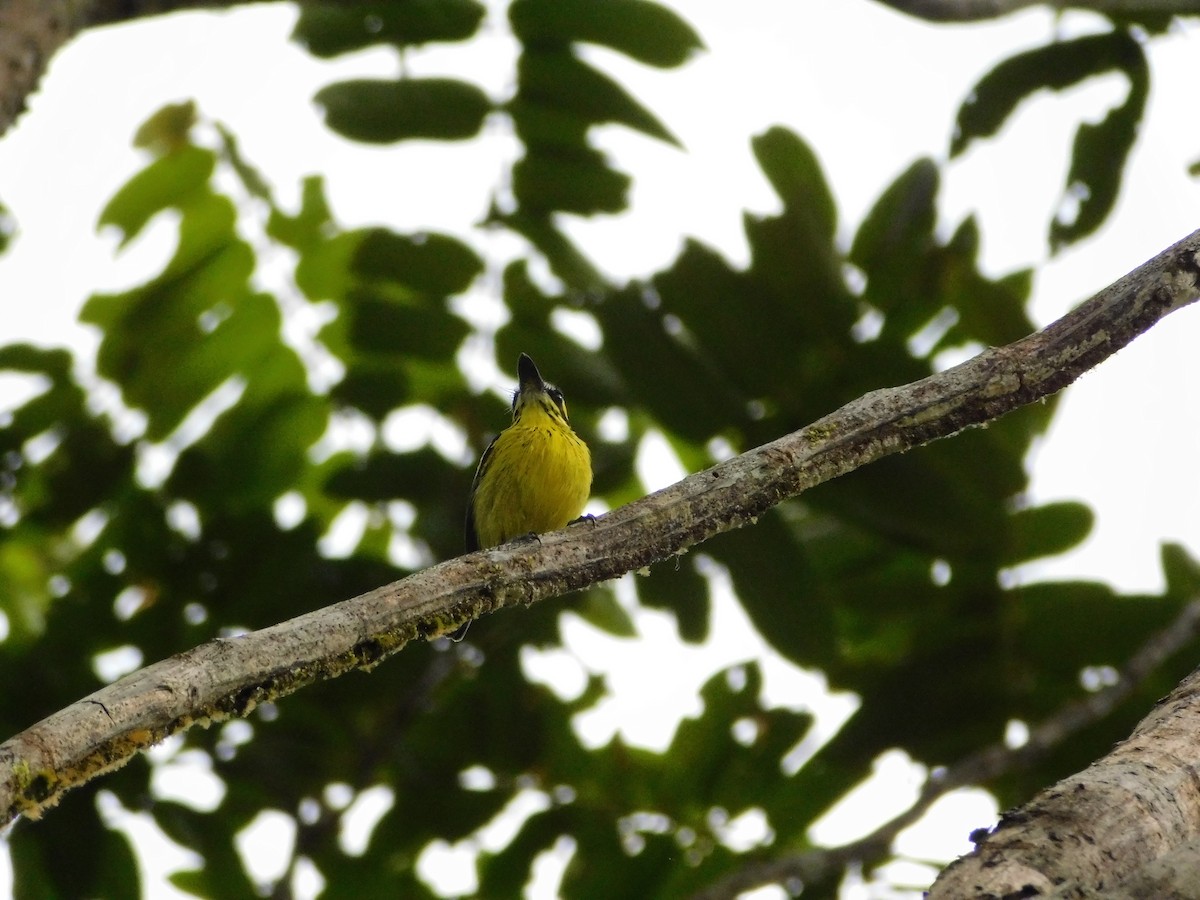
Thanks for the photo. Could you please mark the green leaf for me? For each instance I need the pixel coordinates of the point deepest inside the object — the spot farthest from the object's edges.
(324, 270)
(434, 264)
(646, 31)
(896, 236)
(102, 863)
(1100, 149)
(779, 589)
(564, 85)
(52, 492)
(795, 173)
(252, 180)
(664, 374)
(1100, 153)
(580, 182)
(1053, 67)
(383, 112)
(157, 345)
(421, 477)
(330, 29)
(309, 226)
(944, 499)
(384, 326)
(677, 586)
(54, 362)
(209, 250)
(173, 180)
(167, 130)
(1051, 615)
(375, 387)
(1046, 531)
(1182, 572)
(566, 260)
(8, 227)
(25, 571)
(733, 320)
(601, 609)
(538, 125)
(505, 873)
(208, 835)
(989, 312)
(220, 471)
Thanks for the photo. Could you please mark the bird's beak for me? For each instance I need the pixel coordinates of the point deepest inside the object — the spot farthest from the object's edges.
(528, 376)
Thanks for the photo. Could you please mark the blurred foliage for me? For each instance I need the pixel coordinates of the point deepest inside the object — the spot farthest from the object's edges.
(200, 500)
(1100, 149)
(7, 227)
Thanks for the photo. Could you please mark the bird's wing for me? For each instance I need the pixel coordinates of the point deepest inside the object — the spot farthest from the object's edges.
(472, 536)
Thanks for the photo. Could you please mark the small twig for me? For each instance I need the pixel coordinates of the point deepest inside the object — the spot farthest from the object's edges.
(984, 765)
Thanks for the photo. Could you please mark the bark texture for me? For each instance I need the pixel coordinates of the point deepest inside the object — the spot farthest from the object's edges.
(227, 677)
(1127, 826)
(30, 33)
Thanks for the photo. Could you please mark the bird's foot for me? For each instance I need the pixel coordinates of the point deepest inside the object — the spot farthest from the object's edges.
(527, 538)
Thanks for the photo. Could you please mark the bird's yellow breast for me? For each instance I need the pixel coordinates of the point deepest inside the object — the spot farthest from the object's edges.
(538, 479)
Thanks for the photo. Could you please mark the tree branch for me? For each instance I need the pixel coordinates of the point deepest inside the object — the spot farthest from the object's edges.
(1129, 821)
(981, 766)
(229, 676)
(979, 10)
(32, 31)
(1173, 876)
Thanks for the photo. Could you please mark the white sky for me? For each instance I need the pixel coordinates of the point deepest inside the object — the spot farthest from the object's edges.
(869, 89)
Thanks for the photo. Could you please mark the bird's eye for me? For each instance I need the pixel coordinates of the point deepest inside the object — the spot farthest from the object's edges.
(557, 396)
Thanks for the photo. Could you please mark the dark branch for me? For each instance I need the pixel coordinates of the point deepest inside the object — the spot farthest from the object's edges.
(978, 10)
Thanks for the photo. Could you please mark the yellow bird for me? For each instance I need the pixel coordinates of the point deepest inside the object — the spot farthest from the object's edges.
(535, 475)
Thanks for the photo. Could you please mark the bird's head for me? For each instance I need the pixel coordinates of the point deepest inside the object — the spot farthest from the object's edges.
(535, 393)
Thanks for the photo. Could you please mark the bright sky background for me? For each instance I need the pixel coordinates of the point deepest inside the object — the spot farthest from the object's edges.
(869, 89)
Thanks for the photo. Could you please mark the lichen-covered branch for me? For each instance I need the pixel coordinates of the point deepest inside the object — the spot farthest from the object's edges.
(978, 10)
(229, 676)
